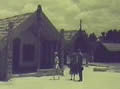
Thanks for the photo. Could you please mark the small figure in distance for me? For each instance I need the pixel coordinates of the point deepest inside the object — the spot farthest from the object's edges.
(56, 65)
(80, 65)
(73, 66)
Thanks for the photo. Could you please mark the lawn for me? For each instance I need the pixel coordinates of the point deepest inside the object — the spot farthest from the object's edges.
(92, 80)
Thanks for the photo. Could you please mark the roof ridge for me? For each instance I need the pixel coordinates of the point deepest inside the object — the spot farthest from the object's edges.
(16, 15)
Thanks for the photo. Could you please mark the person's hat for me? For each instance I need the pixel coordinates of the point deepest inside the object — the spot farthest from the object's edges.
(56, 52)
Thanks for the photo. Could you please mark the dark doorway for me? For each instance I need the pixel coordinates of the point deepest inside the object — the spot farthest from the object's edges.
(28, 56)
(28, 52)
(47, 54)
(16, 55)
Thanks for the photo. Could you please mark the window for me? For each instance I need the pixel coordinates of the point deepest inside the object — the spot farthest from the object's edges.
(28, 52)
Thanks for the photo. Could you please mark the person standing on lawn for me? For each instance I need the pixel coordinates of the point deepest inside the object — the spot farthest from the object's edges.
(79, 59)
(73, 66)
(56, 66)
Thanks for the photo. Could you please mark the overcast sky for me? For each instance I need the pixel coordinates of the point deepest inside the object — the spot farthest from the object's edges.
(97, 15)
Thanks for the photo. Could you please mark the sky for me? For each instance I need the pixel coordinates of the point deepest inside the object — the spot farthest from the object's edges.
(97, 15)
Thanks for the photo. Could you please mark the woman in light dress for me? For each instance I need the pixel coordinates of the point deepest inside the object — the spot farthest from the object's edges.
(56, 66)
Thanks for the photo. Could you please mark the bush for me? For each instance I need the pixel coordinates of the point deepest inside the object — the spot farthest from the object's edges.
(103, 69)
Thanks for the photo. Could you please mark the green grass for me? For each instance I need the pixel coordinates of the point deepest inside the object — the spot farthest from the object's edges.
(101, 69)
(92, 80)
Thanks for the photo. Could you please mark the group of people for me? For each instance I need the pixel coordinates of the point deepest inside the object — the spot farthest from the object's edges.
(75, 66)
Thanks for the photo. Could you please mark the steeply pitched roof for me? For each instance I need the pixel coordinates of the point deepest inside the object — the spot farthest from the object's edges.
(113, 47)
(18, 19)
(48, 29)
(24, 21)
(15, 19)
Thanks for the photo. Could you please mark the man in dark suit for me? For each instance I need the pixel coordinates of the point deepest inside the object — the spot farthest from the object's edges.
(80, 65)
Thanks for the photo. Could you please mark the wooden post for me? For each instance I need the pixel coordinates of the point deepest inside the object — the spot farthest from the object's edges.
(9, 52)
(39, 52)
(38, 13)
(62, 49)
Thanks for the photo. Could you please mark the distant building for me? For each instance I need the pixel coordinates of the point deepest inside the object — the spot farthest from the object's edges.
(79, 40)
(75, 40)
(69, 34)
(27, 43)
(107, 52)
